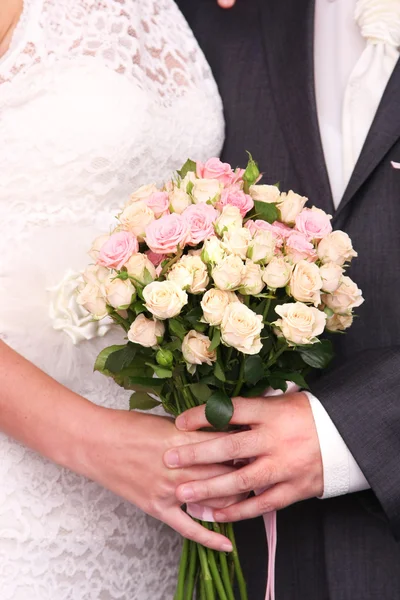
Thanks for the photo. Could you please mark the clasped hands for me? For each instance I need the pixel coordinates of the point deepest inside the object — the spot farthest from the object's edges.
(282, 441)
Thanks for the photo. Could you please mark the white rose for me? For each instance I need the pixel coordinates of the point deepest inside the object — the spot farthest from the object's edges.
(300, 324)
(146, 332)
(143, 193)
(265, 193)
(97, 246)
(345, 298)
(198, 271)
(290, 206)
(331, 275)
(180, 275)
(252, 282)
(262, 247)
(164, 299)
(91, 298)
(241, 328)
(339, 322)
(236, 241)
(214, 303)
(230, 218)
(277, 273)
(119, 293)
(195, 347)
(306, 283)
(205, 190)
(179, 200)
(213, 252)
(189, 178)
(135, 218)
(141, 269)
(228, 273)
(337, 248)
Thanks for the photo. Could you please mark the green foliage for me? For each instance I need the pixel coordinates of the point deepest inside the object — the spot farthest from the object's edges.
(200, 391)
(100, 364)
(253, 369)
(216, 340)
(219, 410)
(189, 166)
(251, 174)
(115, 359)
(142, 401)
(317, 355)
(177, 328)
(266, 211)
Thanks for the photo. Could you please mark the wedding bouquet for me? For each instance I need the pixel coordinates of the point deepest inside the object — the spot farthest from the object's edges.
(224, 287)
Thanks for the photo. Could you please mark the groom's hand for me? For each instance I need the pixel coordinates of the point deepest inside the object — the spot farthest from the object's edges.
(226, 3)
(283, 442)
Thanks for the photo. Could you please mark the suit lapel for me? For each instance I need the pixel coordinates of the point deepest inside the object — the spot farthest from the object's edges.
(289, 53)
(384, 132)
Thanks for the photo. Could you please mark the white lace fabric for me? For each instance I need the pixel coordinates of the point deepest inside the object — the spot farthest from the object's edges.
(97, 97)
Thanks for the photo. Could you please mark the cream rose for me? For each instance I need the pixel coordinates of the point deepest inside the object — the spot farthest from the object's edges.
(241, 328)
(143, 193)
(179, 200)
(262, 247)
(252, 282)
(92, 299)
(164, 299)
(339, 322)
(277, 273)
(331, 275)
(206, 190)
(213, 251)
(290, 206)
(195, 349)
(141, 269)
(305, 283)
(119, 293)
(230, 218)
(337, 248)
(97, 245)
(236, 241)
(265, 193)
(146, 332)
(345, 298)
(97, 275)
(135, 218)
(214, 303)
(300, 324)
(180, 275)
(228, 274)
(198, 271)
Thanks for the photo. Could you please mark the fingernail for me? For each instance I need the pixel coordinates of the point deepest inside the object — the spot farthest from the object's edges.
(219, 517)
(180, 423)
(172, 458)
(187, 494)
(227, 548)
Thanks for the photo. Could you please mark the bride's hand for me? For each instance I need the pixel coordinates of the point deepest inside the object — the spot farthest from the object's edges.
(124, 451)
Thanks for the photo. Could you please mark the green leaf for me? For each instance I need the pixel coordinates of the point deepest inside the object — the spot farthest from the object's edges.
(266, 211)
(219, 373)
(160, 372)
(317, 355)
(194, 315)
(277, 383)
(147, 382)
(176, 328)
(101, 360)
(189, 166)
(189, 187)
(253, 369)
(216, 340)
(121, 358)
(200, 327)
(142, 401)
(200, 391)
(257, 390)
(295, 377)
(174, 345)
(251, 174)
(219, 410)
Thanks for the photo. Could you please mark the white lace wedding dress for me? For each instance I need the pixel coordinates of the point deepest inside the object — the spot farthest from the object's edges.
(96, 98)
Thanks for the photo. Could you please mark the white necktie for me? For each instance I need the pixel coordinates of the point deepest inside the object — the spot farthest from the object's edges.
(379, 22)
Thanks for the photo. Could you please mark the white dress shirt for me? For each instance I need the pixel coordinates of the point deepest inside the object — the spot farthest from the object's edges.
(338, 45)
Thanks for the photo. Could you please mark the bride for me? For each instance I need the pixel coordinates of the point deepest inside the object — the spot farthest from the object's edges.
(96, 96)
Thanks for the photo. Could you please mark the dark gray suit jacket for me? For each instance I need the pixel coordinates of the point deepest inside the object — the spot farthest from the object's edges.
(261, 53)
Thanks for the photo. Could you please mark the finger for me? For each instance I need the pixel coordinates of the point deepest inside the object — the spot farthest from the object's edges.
(224, 502)
(260, 474)
(201, 472)
(226, 3)
(247, 411)
(276, 498)
(191, 530)
(219, 450)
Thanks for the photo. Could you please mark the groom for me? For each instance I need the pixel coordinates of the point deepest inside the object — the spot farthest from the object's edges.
(314, 94)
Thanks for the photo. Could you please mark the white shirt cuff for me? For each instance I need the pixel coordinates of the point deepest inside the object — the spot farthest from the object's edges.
(342, 475)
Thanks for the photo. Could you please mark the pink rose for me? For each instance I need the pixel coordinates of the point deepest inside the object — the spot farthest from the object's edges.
(298, 247)
(156, 259)
(118, 249)
(280, 231)
(314, 223)
(165, 235)
(215, 169)
(235, 197)
(159, 203)
(200, 219)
